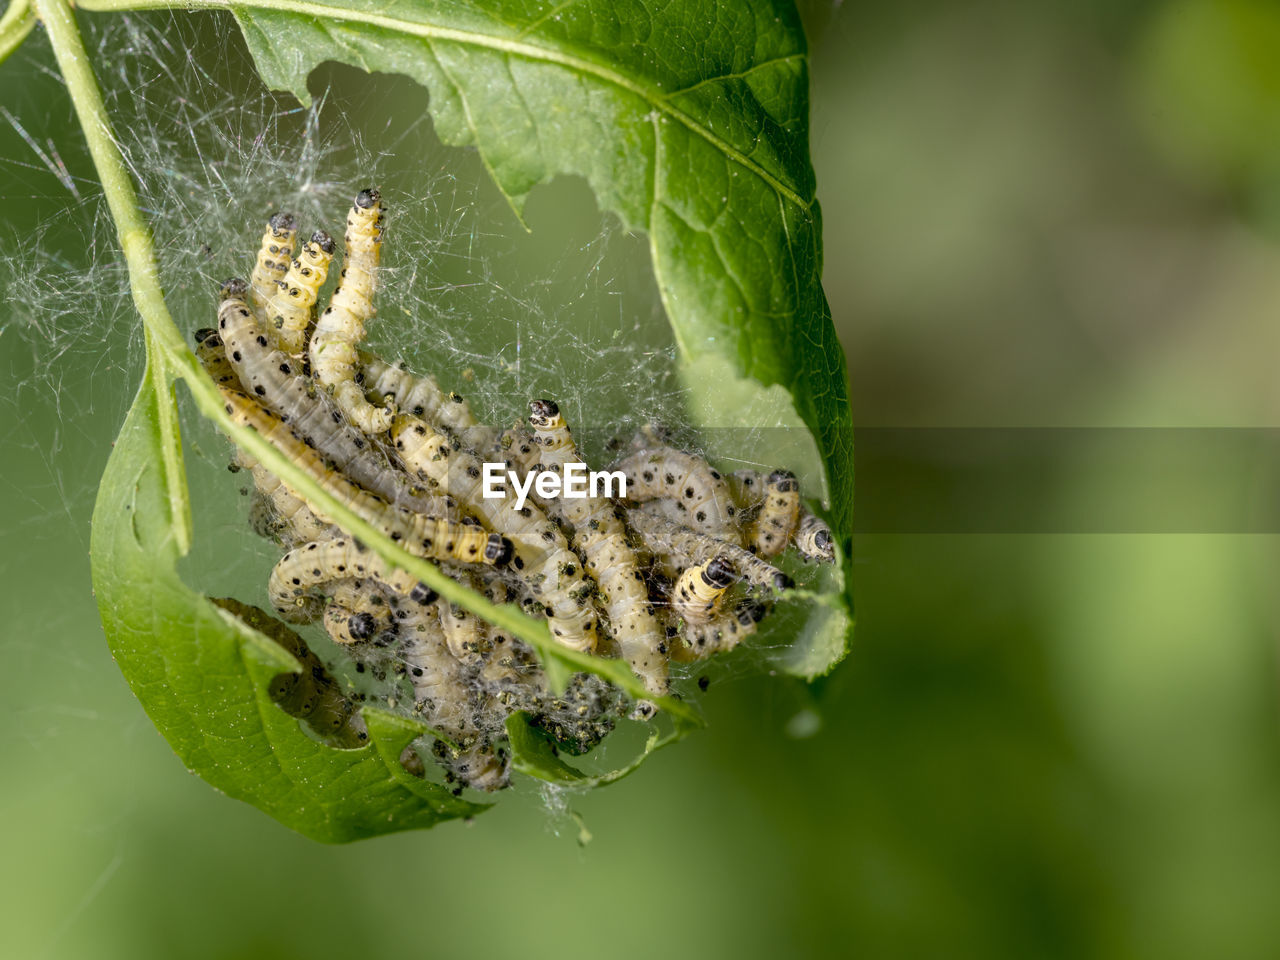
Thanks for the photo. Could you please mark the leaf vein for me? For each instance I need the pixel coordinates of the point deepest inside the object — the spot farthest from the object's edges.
(512, 46)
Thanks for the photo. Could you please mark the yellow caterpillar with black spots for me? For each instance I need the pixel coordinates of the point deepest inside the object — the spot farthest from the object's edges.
(341, 325)
(600, 536)
(290, 311)
(445, 700)
(274, 256)
(774, 525)
(814, 540)
(679, 547)
(724, 631)
(541, 553)
(777, 507)
(464, 632)
(298, 578)
(435, 538)
(700, 589)
(360, 610)
(698, 491)
(419, 396)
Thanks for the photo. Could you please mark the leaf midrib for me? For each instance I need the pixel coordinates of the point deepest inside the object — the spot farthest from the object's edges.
(530, 51)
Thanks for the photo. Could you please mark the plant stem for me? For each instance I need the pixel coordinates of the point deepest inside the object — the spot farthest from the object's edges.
(162, 337)
(16, 23)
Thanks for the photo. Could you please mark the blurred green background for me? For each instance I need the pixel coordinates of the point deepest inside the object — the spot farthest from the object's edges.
(1037, 214)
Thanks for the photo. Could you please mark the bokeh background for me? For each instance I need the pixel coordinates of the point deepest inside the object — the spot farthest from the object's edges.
(1042, 745)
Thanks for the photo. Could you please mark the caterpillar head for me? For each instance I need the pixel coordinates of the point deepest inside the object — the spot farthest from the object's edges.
(233, 289)
(543, 413)
(362, 626)
(719, 573)
(283, 224)
(325, 242)
(499, 550)
(783, 480)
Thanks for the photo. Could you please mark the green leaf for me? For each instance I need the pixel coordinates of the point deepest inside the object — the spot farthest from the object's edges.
(690, 121)
(202, 676)
(533, 754)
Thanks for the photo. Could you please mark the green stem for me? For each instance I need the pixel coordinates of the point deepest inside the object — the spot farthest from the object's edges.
(16, 23)
(168, 356)
(163, 339)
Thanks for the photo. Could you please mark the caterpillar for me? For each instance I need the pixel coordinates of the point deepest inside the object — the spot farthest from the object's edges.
(679, 546)
(213, 358)
(296, 575)
(446, 703)
(515, 445)
(347, 627)
(464, 632)
(698, 490)
(427, 536)
(274, 256)
(814, 540)
(809, 532)
(723, 632)
(289, 311)
(278, 514)
(772, 529)
(360, 610)
(541, 551)
(311, 695)
(375, 597)
(505, 674)
(601, 538)
(700, 589)
(341, 326)
(275, 379)
(420, 396)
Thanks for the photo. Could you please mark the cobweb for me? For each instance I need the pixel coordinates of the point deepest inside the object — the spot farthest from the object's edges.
(568, 311)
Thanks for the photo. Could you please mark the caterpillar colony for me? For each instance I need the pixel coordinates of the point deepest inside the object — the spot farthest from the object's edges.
(679, 570)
